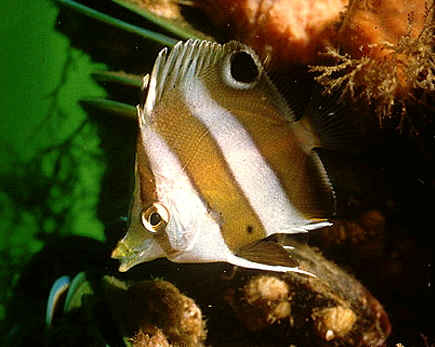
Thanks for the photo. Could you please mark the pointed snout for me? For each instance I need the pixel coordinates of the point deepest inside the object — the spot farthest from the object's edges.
(125, 255)
(121, 250)
(132, 250)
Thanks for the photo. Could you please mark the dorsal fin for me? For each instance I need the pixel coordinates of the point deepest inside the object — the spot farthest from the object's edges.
(184, 60)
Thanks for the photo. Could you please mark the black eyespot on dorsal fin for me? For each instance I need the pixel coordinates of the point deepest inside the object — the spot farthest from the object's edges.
(244, 68)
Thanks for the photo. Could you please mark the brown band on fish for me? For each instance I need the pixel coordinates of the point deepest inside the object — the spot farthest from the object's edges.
(280, 140)
(202, 160)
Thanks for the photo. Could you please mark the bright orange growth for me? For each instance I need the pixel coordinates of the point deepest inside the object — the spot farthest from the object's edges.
(378, 49)
(385, 53)
(288, 31)
(373, 22)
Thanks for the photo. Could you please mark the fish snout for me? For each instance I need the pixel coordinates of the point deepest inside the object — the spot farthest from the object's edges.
(121, 250)
(133, 250)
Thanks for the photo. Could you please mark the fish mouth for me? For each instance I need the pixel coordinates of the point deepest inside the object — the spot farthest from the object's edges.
(125, 255)
(130, 257)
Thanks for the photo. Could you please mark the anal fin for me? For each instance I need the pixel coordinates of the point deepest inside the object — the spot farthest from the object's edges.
(267, 252)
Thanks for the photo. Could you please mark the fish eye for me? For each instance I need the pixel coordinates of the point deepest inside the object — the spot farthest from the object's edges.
(155, 217)
(241, 70)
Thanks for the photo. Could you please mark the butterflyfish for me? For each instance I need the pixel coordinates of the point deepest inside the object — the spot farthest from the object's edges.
(221, 164)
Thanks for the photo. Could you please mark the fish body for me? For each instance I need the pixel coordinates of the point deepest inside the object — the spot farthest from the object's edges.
(221, 164)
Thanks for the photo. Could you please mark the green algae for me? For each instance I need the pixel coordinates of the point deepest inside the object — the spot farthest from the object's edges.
(51, 164)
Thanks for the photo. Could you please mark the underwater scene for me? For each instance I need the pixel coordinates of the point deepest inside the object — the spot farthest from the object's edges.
(217, 173)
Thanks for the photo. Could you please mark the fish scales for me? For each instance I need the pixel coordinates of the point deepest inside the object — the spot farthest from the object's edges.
(207, 168)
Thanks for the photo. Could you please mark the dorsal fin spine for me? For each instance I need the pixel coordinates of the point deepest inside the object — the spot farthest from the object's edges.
(153, 93)
(184, 60)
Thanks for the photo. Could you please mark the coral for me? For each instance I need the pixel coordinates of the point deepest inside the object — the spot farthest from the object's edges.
(365, 234)
(266, 301)
(151, 313)
(287, 32)
(330, 308)
(378, 50)
(155, 313)
(154, 338)
(252, 308)
(334, 322)
(164, 8)
(384, 54)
